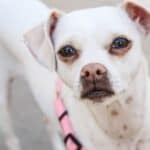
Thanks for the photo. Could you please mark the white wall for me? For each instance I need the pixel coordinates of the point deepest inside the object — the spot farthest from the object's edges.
(78, 4)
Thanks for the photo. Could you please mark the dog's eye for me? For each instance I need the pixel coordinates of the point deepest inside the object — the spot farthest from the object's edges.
(120, 45)
(67, 51)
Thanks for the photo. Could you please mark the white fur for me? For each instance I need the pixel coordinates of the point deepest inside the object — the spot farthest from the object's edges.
(91, 31)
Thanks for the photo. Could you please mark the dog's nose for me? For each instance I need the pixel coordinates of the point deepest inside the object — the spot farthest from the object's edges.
(93, 71)
(95, 82)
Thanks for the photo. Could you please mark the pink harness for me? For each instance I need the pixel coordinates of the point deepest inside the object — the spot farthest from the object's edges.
(70, 139)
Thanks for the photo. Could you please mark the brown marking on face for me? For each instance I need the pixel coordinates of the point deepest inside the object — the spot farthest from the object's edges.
(114, 113)
(120, 136)
(129, 100)
(125, 127)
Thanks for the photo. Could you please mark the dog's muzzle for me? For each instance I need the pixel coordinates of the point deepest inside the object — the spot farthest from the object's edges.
(95, 83)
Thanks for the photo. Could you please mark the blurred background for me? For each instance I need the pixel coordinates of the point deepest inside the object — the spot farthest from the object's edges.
(28, 121)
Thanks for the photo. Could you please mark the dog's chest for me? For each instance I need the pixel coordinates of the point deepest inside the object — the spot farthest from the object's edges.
(93, 137)
(93, 133)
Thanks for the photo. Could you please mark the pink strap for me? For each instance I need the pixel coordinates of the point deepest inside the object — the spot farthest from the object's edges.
(65, 122)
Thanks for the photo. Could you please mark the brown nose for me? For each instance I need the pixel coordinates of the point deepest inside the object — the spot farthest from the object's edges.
(93, 72)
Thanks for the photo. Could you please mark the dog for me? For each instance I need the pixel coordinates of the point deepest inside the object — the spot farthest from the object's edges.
(98, 55)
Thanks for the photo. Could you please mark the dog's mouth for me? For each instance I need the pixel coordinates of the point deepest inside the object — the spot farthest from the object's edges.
(97, 94)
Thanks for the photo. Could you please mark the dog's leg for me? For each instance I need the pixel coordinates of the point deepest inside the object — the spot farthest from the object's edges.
(5, 120)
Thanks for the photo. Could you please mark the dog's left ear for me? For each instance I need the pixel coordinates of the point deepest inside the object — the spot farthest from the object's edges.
(40, 43)
(138, 14)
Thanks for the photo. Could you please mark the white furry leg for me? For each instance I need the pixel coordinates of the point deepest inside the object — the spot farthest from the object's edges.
(6, 127)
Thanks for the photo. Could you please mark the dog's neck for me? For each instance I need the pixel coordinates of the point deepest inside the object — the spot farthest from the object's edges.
(123, 118)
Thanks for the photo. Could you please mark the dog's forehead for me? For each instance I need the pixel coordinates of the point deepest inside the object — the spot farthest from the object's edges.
(102, 21)
(93, 14)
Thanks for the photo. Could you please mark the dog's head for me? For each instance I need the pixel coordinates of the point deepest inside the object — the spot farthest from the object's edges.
(96, 52)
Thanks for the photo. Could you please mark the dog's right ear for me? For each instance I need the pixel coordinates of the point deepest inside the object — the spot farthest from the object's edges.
(40, 43)
(138, 14)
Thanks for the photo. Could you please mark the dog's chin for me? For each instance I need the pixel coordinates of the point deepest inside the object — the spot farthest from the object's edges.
(98, 95)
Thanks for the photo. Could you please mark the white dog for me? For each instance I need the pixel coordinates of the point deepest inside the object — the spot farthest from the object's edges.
(98, 53)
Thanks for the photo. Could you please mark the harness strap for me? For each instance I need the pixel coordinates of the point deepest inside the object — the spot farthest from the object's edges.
(70, 139)
(73, 139)
(63, 115)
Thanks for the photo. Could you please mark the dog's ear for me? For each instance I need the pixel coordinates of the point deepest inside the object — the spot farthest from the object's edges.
(40, 43)
(138, 14)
